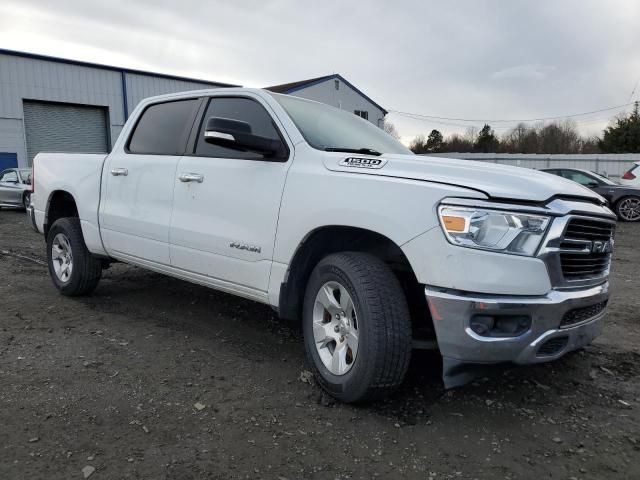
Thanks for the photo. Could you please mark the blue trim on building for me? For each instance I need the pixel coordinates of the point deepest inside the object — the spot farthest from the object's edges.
(335, 76)
(8, 160)
(80, 63)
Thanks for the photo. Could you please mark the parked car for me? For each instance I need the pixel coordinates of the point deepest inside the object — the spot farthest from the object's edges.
(334, 223)
(623, 199)
(15, 187)
(632, 176)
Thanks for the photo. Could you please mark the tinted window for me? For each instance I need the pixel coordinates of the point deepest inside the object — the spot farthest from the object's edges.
(9, 176)
(579, 177)
(163, 128)
(245, 110)
(325, 127)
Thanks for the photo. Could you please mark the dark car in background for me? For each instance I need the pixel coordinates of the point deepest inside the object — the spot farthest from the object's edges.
(624, 200)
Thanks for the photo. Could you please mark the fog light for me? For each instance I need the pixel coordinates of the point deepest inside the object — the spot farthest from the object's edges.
(482, 324)
(500, 325)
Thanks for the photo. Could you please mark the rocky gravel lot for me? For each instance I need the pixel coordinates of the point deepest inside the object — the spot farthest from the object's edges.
(156, 378)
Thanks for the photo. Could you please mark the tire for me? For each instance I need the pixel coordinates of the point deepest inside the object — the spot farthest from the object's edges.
(26, 200)
(628, 209)
(83, 274)
(379, 321)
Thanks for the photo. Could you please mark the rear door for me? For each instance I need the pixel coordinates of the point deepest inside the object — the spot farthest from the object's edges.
(139, 180)
(224, 225)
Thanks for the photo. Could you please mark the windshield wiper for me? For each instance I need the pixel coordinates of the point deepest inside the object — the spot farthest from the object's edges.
(366, 151)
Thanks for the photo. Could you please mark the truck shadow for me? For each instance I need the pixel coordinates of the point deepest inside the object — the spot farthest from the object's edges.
(251, 329)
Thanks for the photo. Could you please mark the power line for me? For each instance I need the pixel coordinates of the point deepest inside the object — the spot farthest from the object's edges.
(634, 90)
(497, 120)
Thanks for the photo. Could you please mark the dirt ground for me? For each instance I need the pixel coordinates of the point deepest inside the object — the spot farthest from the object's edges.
(156, 378)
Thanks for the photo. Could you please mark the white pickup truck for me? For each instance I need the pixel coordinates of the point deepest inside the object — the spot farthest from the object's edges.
(332, 222)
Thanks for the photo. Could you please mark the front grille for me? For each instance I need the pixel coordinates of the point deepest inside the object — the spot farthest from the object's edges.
(579, 315)
(552, 346)
(579, 234)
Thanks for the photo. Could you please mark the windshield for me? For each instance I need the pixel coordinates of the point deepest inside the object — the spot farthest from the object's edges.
(604, 179)
(328, 128)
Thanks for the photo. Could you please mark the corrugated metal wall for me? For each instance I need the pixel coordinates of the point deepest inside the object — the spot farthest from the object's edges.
(26, 78)
(611, 164)
(140, 87)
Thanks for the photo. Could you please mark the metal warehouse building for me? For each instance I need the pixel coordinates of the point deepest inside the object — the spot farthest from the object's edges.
(53, 104)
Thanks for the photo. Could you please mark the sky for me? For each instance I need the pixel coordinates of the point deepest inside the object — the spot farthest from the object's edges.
(483, 60)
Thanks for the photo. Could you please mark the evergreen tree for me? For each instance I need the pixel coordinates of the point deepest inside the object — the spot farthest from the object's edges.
(434, 141)
(624, 135)
(487, 142)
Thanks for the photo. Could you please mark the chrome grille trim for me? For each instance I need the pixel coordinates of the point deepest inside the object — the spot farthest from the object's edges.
(568, 250)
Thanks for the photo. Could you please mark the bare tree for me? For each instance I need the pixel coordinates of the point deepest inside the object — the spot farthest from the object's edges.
(418, 144)
(391, 129)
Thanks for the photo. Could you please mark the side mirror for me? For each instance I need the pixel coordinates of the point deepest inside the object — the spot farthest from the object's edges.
(237, 135)
(593, 184)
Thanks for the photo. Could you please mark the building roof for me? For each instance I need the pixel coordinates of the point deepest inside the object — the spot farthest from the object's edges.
(80, 63)
(295, 86)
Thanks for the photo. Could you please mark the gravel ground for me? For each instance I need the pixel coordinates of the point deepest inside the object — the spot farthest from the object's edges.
(156, 378)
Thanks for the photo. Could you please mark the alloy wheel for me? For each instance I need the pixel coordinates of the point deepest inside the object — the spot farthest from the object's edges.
(62, 257)
(335, 328)
(629, 209)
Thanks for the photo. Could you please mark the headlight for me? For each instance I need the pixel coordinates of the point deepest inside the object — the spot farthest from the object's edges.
(494, 230)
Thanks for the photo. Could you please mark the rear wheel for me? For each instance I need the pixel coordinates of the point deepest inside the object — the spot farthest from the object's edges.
(357, 327)
(628, 209)
(73, 269)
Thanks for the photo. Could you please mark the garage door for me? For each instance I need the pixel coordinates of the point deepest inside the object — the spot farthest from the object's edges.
(58, 127)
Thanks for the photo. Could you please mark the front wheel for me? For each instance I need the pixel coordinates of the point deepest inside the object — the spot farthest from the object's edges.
(357, 327)
(628, 209)
(73, 269)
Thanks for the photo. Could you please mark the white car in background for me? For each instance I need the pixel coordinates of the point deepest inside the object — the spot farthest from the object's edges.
(631, 176)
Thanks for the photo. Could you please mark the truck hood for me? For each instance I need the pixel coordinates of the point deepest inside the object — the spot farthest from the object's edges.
(495, 180)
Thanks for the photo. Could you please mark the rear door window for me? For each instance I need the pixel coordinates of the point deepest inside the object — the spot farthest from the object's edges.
(163, 128)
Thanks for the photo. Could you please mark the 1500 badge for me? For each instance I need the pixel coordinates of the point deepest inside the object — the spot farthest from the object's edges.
(358, 162)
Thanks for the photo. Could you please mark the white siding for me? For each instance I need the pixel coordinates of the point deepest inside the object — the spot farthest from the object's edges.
(345, 98)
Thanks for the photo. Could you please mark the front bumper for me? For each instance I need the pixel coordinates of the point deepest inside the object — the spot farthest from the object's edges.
(545, 340)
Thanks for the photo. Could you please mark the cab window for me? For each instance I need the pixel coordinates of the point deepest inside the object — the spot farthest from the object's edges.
(236, 108)
(163, 128)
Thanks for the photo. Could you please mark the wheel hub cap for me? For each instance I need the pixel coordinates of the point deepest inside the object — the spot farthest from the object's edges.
(629, 209)
(335, 328)
(61, 257)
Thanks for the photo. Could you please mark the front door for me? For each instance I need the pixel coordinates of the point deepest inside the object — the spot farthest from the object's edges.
(138, 183)
(226, 202)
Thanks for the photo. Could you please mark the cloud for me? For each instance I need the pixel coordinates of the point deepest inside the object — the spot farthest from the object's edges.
(523, 72)
(463, 59)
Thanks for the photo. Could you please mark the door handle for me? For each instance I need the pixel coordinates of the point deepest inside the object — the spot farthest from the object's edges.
(119, 172)
(191, 177)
